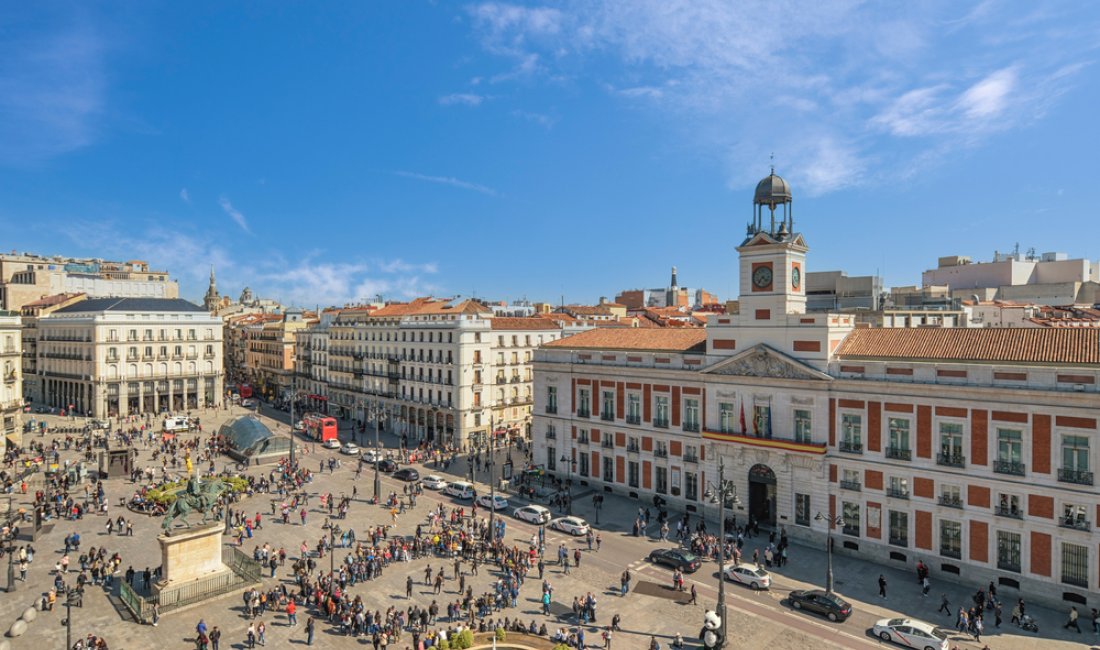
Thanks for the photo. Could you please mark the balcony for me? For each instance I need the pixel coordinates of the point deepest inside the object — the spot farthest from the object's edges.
(1008, 467)
(584, 413)
(1012, 512)
(1076, 476)
(851, 446)
(607, 415)
(854, 486)
(1075, 523)
(691, 459)
(660, 452)
(660, 423)
(951, 460)
(551, 435)
(633, 448)
(633, 419)
(897, 493)
(952, 552)
(951, 500)
(552, 409)
(607, 442)
(582, 440)
(691, 426)
(898, 453)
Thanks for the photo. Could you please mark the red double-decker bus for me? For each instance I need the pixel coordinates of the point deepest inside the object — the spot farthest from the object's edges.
(320, 427)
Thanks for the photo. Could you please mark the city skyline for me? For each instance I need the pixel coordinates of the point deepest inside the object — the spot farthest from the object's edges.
(293, 149)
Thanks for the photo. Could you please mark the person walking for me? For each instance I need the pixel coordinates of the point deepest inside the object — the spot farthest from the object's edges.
(882, 586)
(1095, 621)
(925, 586)
(945, 605)
(1072, 622)
(309, 631)
(291, 613)
(694, 596)
(215, 637)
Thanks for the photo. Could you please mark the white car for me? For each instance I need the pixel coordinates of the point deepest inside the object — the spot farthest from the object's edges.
(497, 502)
(370, 455)
(749, 575)
(459, 490)
(331, 444)
(911, 633)
(433, 482)
(575, 526)
(248, 402)
(349, 448)
(532, 513)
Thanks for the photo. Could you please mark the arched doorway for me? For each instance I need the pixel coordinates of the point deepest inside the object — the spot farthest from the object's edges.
(762, 494)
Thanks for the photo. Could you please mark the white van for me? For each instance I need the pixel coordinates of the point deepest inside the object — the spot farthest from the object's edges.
(459, 490)
(177, 424)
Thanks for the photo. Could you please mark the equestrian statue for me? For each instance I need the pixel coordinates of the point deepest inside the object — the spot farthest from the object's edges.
(198, 496)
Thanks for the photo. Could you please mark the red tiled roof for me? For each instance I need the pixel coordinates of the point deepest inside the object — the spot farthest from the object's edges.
(49, 301)
(631, 338)
(427, 306)
(1007, 344)
(509, 323)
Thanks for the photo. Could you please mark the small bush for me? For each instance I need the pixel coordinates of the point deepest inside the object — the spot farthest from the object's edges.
(463, 640)
(443, 644)
(562, 646)
(501, 634)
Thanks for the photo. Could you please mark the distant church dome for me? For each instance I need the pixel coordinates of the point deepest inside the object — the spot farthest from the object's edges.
(772, 191)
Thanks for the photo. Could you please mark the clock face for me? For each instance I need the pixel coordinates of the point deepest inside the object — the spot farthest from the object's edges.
(762, 276)
(796, 277)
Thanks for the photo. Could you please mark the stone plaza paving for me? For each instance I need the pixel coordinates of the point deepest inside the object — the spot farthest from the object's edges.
(757, 619)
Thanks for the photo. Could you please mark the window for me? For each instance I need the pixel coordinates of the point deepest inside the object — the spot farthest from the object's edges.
(1075, 461)
(691, 414)
(951, 449)
(1075, 516)
(951, 539)
(762, 421)
(551, 432)
(632, 444)
(1009, 452)
(660, 449)
(552, 459)
(803, 425)
(951, 496)
(851, 427)
(582, 436)
(898, 487)
(633, 409)
(660, 418)
(632, 474)
(691, 454)
(850, 513)
(1008, 505)
(661, 480)
(551, 399)
(608, 469)
(607, 408)
(584, 402)
(582, 466)
(726, 418)
(1075, 565)
(691, 485)
(898, 446)
(899, 528)
(802, 509)
(849, 479)
(1008, 551)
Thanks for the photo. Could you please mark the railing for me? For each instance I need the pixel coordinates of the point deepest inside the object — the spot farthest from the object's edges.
(897, 493)
(633, 447)
(691, 426)
(855, 486)
(1078, 476)
(607, 415)
(951, 501)
(660, 423)
(851, 446)
(1076, 581)
(243, 570)
(899, 453)
(691, 459)
(1008, 467)
(633, 419)
(607, 442)
(582, 440)
(951, 552)
(851, 530)
(551, 435)
(898, 541)
(951, 460)
(584, 413)
(1078, 523)
(660, 453)
(1008, 511)
(552, 409)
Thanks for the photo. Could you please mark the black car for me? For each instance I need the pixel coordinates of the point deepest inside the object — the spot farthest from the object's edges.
(830, 606)
(386, 465)
(408, 474)
(676, 558)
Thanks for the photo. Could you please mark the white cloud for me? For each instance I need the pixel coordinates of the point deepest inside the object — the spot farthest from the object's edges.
(185, 196)
(542, 119)
(449, 180)
(309, 282)
(650, 92)
(234, 214)
(461, 99)
(988, 97)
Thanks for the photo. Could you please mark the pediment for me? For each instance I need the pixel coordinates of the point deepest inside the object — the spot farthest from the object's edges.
(764, 361)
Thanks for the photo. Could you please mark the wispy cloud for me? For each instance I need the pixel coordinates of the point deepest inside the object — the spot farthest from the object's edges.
(542, 119)
(449, 180)
(234, 213)
(312, 281)
(844, 92)
(53, 87)
(185, 196)
(461, 99)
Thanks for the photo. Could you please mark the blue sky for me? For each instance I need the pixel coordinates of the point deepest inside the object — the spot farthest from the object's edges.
(326, 152)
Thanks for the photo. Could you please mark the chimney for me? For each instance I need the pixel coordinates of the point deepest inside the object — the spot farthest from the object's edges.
(674, 283)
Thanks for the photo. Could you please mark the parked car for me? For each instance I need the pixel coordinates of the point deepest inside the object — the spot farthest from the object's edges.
(911, 633)
(331, 444)
(496, 502)
(407, 474)
(829, 605)
(370, 455)
(575, 526)
(749, 575)
(434, 482)
(386, 465)
(349, 448)
(459, 490)
(248, 402)
(676, 558)
(533, 514)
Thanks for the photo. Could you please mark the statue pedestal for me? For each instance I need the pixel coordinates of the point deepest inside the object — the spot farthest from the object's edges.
(191, 554)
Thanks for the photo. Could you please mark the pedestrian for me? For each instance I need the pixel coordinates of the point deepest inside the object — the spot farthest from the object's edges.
(250, 635)
(155, 617)
(945, 606)
(607, 638)
(215, 638)
(978, 627)
(309, 631)
(1095, 621)
(291, 613)
(882, 586)
(261, 630)
(1072, 622)
(925, 586)
(1016, 614)
(997, 614)
(694, 596)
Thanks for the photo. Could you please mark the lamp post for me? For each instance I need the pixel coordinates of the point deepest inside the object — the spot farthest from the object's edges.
(490, 463)
(331, 558)
(379, 413)
(831, 521)
(568, 485)
(721, 492)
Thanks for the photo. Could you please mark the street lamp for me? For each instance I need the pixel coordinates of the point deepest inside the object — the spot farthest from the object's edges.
(378, 411)
(832, 521)
(568, 485)
(720, 493)
(489, 465)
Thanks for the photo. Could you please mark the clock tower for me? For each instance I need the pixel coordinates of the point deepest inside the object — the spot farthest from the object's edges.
(773, 257)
